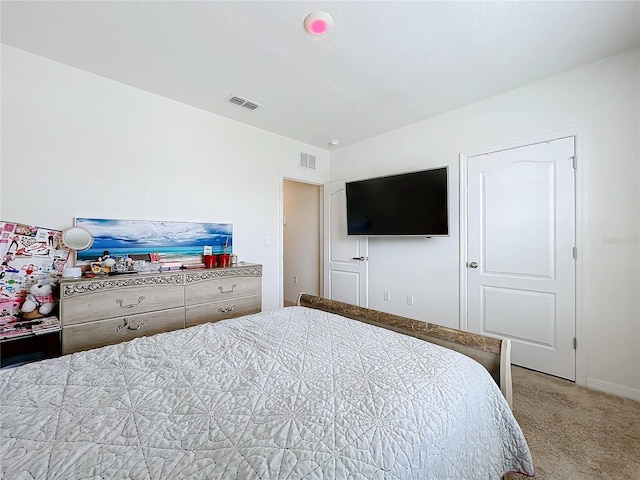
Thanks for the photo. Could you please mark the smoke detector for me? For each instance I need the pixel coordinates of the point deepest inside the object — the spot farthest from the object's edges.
(318, 23)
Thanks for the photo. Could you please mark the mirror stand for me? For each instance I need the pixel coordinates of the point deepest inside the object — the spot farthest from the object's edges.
(75, 239)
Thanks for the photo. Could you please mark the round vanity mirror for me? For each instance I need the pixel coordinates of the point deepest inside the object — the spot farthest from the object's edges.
(76, 239)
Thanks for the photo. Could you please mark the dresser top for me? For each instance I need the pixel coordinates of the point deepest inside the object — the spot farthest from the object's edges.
(176, 276)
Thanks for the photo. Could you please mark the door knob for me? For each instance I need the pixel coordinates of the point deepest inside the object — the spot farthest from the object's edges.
(473, 265)
(358, 258)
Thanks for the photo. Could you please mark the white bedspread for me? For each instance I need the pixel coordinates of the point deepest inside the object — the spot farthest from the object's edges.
(289, 394)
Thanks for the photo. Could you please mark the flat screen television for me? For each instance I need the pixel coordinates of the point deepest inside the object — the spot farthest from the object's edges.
(414, 203)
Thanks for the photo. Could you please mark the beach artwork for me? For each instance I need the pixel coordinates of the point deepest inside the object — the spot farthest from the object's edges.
(182, 242)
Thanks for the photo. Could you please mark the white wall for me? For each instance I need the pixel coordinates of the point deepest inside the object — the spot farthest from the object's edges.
(603, 100)
(78, 145)
(301, 203)
(75, 144)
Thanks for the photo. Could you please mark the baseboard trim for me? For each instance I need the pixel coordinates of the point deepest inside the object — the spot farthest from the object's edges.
(613, 389)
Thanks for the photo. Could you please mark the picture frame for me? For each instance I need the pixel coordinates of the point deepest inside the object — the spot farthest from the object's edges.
(164, 241)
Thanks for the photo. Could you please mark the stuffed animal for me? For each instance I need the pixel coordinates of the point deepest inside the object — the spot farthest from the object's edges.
(41, 299)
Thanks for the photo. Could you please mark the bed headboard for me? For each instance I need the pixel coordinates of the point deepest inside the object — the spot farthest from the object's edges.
(494, 354)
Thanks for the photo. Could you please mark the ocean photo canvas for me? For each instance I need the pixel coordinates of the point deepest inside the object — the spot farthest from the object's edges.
(173, 241)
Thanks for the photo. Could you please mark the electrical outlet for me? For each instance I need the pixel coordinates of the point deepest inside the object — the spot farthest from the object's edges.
(387, 296)
(410, 300)
(295, 279)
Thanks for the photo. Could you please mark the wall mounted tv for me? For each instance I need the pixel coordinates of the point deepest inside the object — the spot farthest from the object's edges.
(414, 203)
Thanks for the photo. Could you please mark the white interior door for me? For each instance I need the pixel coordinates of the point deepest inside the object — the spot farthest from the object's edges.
(520, 252)
(345, 257)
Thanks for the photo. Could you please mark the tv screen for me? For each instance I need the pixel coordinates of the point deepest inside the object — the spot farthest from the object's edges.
(413, 203)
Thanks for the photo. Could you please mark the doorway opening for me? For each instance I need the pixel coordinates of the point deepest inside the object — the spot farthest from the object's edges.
(301, 239)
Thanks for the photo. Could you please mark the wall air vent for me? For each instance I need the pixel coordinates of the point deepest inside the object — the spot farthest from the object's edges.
(307, 161)
(242, 102)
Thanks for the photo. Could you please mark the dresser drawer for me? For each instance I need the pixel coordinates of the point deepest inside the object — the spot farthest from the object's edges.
(231, 308)
(115, 330)
(118, 302)
(220, 288)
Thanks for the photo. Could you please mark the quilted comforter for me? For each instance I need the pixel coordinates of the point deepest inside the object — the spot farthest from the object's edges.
(291, 394)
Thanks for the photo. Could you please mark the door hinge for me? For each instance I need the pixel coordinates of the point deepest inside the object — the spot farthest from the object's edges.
(575, 252)
(575, 162)
(575, 343)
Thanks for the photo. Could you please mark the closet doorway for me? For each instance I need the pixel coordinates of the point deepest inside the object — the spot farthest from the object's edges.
(301, 221)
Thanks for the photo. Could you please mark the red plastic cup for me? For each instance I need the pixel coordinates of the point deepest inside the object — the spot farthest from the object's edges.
(224, 259)
(210, 261)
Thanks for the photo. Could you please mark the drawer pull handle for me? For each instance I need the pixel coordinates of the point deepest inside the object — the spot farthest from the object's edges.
(228, 291)
(227, 309)
(131, 305)
(125, 324)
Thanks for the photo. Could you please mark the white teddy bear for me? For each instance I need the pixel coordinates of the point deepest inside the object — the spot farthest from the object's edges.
(41, 299)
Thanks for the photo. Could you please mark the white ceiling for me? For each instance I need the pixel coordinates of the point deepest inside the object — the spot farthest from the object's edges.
(384, 65)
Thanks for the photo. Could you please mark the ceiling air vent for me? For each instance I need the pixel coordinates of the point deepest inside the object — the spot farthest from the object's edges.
(243, 102)
(308, 161)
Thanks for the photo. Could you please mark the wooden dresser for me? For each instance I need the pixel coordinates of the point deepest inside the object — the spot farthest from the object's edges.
(108, 310)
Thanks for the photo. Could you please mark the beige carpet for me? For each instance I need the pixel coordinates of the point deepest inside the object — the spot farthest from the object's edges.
(576, 433)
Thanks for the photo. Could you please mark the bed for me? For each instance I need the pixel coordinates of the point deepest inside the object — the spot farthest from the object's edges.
(303, 392)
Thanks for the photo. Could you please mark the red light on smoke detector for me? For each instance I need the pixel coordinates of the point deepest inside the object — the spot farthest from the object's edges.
(318, 23)
(318, 27)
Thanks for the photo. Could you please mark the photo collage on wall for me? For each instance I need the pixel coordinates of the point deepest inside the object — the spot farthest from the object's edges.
(28, 254)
